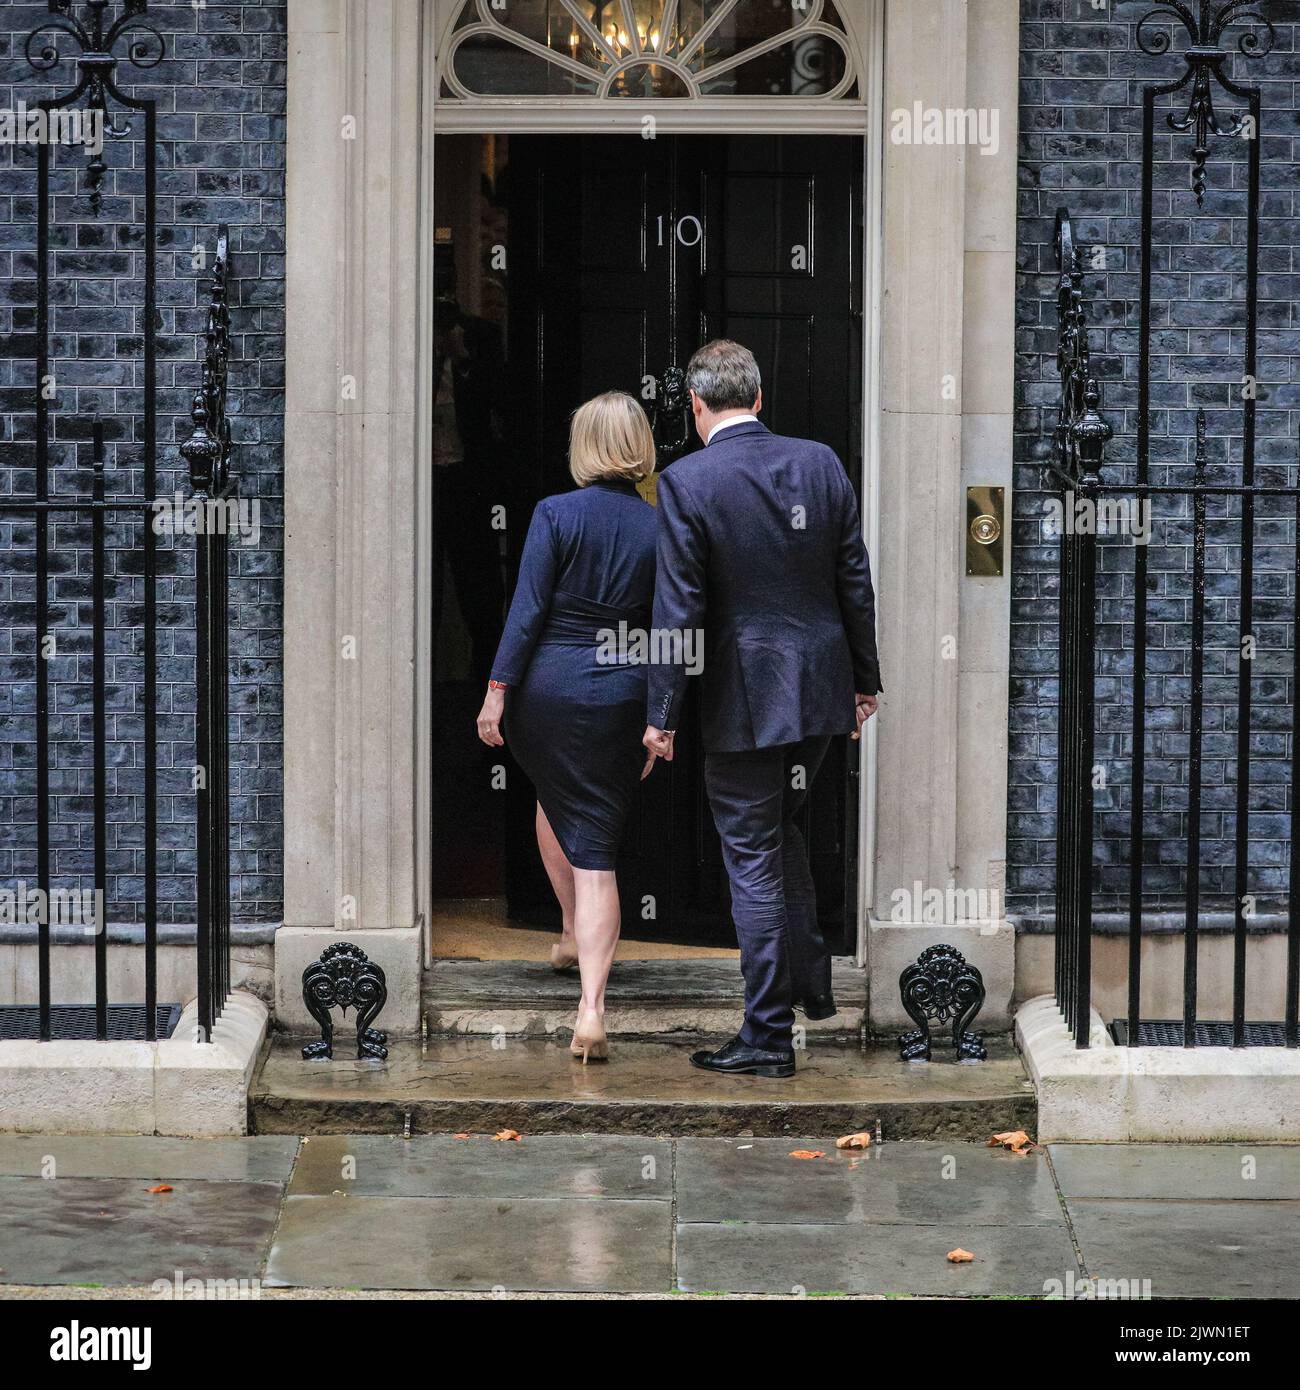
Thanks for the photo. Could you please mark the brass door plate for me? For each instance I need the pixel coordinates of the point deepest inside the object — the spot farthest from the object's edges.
(985, 530)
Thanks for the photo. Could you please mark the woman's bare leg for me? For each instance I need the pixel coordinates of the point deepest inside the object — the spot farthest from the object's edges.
(558, 871)
(596, 924)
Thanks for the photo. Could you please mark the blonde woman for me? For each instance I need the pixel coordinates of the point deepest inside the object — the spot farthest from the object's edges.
(573, 710)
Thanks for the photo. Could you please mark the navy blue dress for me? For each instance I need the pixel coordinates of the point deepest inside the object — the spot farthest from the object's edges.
(575, 710)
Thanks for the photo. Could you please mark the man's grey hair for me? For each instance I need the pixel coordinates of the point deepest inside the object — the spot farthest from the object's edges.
(724, 376)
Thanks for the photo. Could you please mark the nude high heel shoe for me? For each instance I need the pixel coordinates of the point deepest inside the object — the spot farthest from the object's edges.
(562, 958)
(589, 1040)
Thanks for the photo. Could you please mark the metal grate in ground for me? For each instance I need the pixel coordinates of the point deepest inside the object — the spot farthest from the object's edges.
(76, 1022)
(1168, 1032)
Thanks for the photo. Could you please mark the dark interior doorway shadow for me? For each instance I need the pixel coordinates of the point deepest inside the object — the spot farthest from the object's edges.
(570, 265)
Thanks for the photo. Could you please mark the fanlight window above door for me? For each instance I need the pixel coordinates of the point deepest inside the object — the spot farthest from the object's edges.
(647, 49)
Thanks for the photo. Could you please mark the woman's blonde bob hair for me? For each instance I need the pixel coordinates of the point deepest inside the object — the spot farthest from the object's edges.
(610, 437)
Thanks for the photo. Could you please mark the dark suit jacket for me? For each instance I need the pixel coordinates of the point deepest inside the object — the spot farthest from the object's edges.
(760, 546)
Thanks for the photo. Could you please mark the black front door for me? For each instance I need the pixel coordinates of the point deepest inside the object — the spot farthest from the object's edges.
(624, 255)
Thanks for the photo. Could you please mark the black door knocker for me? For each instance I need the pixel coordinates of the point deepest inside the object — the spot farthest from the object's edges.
(345, 976)
(670, 419)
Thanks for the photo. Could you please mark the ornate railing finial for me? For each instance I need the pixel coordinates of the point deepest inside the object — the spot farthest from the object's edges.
(1089, 434)
(95, 40)
(1081, 430)
(207, 450)
(1205, 56)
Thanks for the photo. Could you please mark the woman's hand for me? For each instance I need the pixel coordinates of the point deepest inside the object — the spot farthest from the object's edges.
(650, 757)
(489, 718)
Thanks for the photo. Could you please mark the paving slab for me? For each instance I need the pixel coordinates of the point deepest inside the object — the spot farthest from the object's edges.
(921, 1183)
(1192, 1249)
(533, 1085)
(255, 1158)
(1258, 1172)
(538, 1244)
(113, 1231)
(871, 1258)
(602, 1214)
(381, 1165)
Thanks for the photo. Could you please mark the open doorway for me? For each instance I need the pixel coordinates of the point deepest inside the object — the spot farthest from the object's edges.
(568, 265)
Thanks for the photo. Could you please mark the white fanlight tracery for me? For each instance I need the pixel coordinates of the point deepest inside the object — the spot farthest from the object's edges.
(664, 49)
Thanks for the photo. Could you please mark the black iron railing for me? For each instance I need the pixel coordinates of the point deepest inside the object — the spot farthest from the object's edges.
(106, 524)
(1091, 505)
(1235, 497)
(214, 487)
(1079, 440)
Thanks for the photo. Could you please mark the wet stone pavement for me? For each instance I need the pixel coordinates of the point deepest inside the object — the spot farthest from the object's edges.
(630, 1215)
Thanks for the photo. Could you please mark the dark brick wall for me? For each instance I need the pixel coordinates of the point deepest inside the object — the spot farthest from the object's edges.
(1080, 122)
(220, 92)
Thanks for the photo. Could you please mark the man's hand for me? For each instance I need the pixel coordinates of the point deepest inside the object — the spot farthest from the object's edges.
(489, 718)
(659, 742)
(866, 706)
(650, 758)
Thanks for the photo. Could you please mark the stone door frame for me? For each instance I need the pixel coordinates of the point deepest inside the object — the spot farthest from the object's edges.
(939, 308)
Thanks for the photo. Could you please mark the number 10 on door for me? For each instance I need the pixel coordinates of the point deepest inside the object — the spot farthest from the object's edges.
(688, 230)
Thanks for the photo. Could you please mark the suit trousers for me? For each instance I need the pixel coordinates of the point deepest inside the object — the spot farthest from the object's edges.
(755, 797)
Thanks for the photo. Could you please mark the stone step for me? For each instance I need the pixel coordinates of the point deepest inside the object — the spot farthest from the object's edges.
(644, 999)
(480, 1085)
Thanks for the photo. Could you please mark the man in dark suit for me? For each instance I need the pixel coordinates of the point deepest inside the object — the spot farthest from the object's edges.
(760, 547)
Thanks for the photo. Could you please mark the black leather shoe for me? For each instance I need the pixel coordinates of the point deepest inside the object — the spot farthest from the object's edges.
(739, 1059)
(817, 1007)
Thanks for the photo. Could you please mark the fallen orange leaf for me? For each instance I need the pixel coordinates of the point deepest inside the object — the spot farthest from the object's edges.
(1014, 1139)
(854, 1141)
(506, 1134)
(807, 1153)
(162, 1187)
(460, 1136)
(960, 1256)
